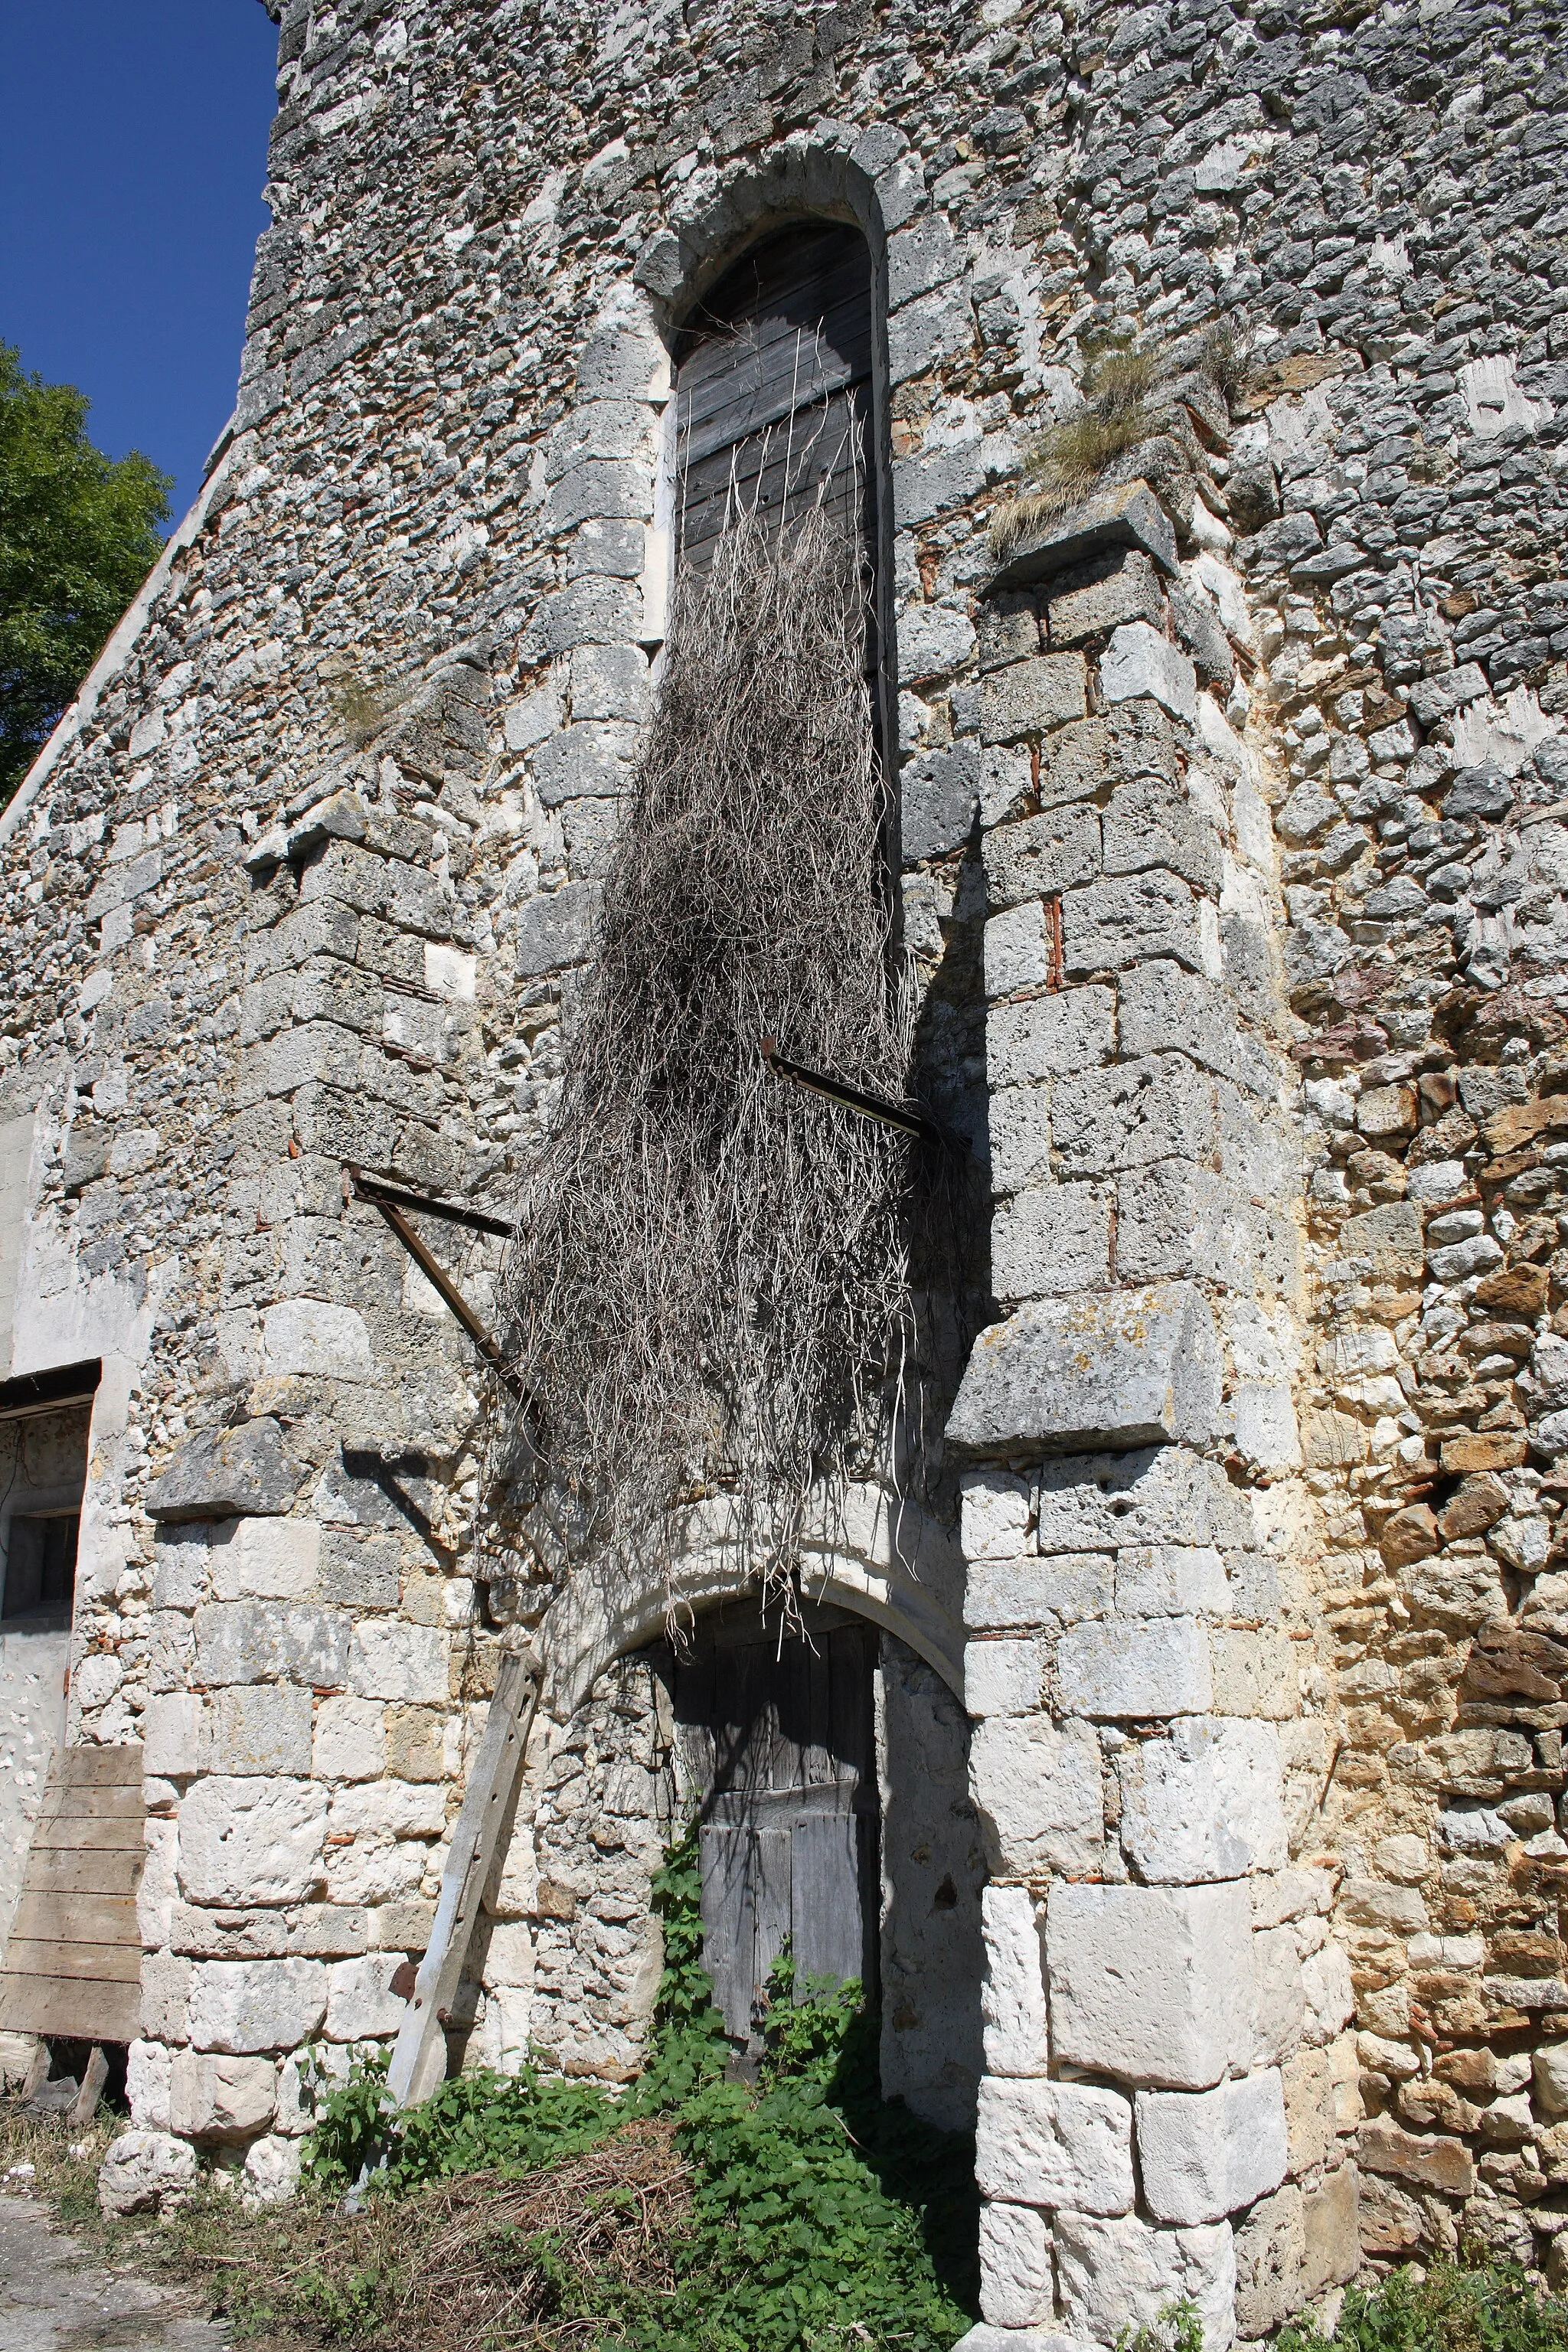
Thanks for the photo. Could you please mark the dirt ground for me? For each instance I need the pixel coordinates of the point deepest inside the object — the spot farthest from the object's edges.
(55, 2298)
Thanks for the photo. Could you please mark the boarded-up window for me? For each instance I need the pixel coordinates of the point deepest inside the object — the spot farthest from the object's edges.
(773, 387)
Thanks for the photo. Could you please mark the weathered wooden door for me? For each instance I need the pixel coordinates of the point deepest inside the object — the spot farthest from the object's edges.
(779, 1736)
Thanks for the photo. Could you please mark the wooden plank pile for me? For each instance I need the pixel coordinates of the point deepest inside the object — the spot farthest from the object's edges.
(73, 1959)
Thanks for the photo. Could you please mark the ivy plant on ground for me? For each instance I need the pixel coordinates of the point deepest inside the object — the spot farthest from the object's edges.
(803, 2213)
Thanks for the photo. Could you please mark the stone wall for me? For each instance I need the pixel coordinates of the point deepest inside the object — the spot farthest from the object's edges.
(1234, 862)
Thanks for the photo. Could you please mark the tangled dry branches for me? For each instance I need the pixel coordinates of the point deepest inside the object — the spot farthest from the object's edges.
(711, 1275)
(616, 2211)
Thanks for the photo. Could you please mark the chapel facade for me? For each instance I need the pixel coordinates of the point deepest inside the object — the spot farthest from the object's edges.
(1180, 1754)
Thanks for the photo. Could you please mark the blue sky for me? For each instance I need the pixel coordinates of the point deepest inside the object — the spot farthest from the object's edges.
(133, 157)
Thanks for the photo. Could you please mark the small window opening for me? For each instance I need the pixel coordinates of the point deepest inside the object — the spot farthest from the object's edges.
(40, 1567)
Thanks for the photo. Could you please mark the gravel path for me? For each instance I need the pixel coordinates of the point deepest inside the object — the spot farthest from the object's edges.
(52, 2300)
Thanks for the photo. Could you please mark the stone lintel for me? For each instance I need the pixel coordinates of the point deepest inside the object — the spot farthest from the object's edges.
(1092, 1371)
(1129, 516)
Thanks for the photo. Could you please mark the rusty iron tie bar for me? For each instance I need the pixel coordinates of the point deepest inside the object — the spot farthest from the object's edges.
(393, 1201)
(906, 1120)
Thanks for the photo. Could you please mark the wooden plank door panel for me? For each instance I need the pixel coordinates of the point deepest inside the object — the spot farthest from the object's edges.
(827, 1897)
(770, 1878)
(728, 1923)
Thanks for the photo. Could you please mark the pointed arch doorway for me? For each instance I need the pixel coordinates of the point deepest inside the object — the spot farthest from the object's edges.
(777, 1733)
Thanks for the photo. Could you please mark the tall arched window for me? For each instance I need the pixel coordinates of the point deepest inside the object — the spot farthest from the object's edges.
(774, 403)
(774, 386)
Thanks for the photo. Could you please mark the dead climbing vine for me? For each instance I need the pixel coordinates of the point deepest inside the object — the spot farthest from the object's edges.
(708, 1293)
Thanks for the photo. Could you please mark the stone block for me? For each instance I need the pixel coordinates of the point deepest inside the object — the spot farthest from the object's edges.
(1017, 2277)
(250, 1641)
(1154, 1494)
(1048, 1037)
(212, 2096)
(1017, 951)
(1018, 1134)
(1177, 1219)
(1152, 822)
(1422, 2160)
(388, 1808)
(920, 256)
(1115, 2276)
(1051, 1237)
(316, 1339)
(1139, 661)
(393, 1661)
(225, 1473)
(555, 929)
(1171, 1581)
(146, 2172)
(1160, 1108)
(349, 1741)
(588, 762)
(995, 1513)
(934, 639)
(1310, 2107)
(1270, 2253)
(1327, 1993)
(1551, 2080)
(1206, 2154)
(1127, 516)
(148, 2072)
(921, 336)
(1150, 1983)
(1135, 1667)
(265, 1560)
(1002, 1678)
(1255, 1672)
(247, 2006)
(1331, 2229)
(1205, 1804)
(1097, 1368)
(171, 1735)
(271, 2170)
(1080, 761)
(1033, 1591)
(262, 1728)
(1038, 1792)
(1044, 2143)
(940, 791)
(361, 2003)
(251, 1840)
(165, 1996)
(1009, 627)
(1118, 585)
(1032, 696)
(414, 1743)
(1127, 917)
(1013, 1985)
(1265, 1424)
(1040, 856)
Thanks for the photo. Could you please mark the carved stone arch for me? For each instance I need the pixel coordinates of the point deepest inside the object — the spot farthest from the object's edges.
(593, 1622)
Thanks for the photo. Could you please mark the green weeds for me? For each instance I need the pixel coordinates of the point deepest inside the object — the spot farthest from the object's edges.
(1489, 2306)
(803, 2214)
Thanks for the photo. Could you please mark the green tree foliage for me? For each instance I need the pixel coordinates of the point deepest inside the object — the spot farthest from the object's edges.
(79, 534)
